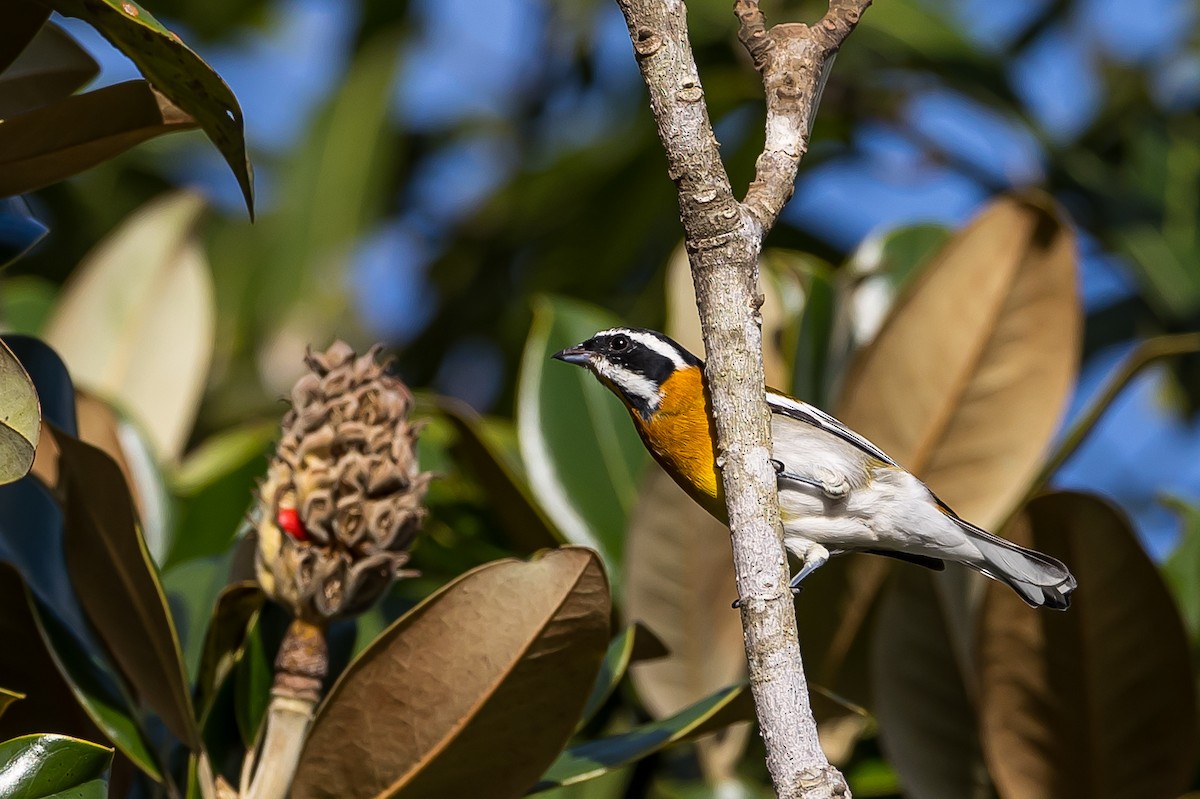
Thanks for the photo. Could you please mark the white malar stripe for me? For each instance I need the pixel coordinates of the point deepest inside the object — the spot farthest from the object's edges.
(630, 382)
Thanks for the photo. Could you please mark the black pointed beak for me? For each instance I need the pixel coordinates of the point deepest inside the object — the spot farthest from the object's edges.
(576, 355)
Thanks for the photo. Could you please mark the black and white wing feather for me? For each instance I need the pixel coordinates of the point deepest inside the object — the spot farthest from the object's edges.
(812, 415)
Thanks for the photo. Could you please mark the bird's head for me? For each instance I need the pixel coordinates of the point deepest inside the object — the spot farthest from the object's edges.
(634, 363)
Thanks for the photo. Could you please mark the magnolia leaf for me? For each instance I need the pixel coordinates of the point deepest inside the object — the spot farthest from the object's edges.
(20, 417)
(176, 72)
(214, 488)
(967, 378)
(970, 372)
(680, 583)
(71, 135)
(596, 758)
(927, 724)
(507, 652)
(236, 609)
(635, 642)
(22, 21)
(46, 766)
(583, 456)
(30, 674)
(67, 690)
(1099, 701)
(525, 524)
(135, 322)
(103, 427)
(1182, 568)
(52, 67)
(19, 233)
(118, 584)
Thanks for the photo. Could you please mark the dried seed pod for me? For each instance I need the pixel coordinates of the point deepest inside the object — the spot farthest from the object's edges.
(343, 498)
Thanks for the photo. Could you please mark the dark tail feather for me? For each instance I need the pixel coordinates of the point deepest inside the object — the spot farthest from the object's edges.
(1040, 580)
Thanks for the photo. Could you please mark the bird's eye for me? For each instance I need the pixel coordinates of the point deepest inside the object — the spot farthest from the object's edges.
(619, 343)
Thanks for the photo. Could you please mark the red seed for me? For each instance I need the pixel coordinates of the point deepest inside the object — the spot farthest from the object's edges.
(289, 521)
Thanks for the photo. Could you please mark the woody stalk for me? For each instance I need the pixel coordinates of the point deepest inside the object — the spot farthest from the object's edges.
(723, 237)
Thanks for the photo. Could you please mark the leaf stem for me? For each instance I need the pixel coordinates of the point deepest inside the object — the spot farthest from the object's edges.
(1146, 354)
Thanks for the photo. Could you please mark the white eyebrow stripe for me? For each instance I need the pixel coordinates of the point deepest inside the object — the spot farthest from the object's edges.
(650, 342)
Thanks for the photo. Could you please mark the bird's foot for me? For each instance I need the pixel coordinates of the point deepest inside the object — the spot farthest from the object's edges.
(831, 484)
(796, 591)
(815, 556)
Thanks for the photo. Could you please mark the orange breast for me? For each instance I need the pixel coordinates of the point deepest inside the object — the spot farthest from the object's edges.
(680, 436)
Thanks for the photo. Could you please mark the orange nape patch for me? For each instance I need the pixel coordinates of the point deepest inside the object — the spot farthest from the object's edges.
(681, 438)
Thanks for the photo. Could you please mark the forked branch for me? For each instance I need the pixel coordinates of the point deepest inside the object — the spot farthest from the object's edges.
(723, 238)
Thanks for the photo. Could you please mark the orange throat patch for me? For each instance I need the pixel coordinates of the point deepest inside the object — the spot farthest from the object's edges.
(681, 438)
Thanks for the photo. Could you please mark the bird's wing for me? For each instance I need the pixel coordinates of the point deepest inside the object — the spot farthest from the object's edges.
(811, 415)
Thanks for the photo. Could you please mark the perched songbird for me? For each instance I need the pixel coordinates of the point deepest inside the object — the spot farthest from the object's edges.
(838, 492)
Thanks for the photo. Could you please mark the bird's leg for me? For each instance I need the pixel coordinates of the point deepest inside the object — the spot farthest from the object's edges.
(833, 486)
(815, 556)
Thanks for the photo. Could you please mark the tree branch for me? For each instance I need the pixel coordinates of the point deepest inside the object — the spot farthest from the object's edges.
(723, 238)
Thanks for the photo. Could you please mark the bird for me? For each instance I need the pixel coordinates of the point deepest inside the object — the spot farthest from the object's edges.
(838, 492)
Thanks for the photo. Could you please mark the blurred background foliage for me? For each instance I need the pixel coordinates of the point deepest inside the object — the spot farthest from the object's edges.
(478, 184)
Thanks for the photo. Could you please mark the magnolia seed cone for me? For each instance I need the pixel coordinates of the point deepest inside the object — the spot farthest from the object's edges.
(342, 501)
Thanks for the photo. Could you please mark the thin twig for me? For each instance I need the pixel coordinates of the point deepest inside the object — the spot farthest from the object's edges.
(1145, 354)
(723, 238)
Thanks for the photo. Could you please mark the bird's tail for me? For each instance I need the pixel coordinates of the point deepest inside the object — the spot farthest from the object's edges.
(1042, 581)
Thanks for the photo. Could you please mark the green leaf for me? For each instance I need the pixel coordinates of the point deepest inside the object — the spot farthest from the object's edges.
(583, 455)
(225, 640)
(52, 67)
(43, 766)
(65, 138)
(118, 584)
(1099, 701)
(176, 72)
(447, 712)
(635, 640)
(1170, 280)
(874, 276)
(20, 417)
(524, 522)
(7, 697)
(214, 486)
(596, 758)
(94, 691)
(22, 21)
(135, 323)
(55, 390)
(252, 682)
(191, 589)
(26, 302)
(810, 335)
(19, 233)
(105, 428)
(1182, 567)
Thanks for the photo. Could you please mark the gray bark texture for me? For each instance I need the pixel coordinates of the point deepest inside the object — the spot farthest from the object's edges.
(723, 237)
